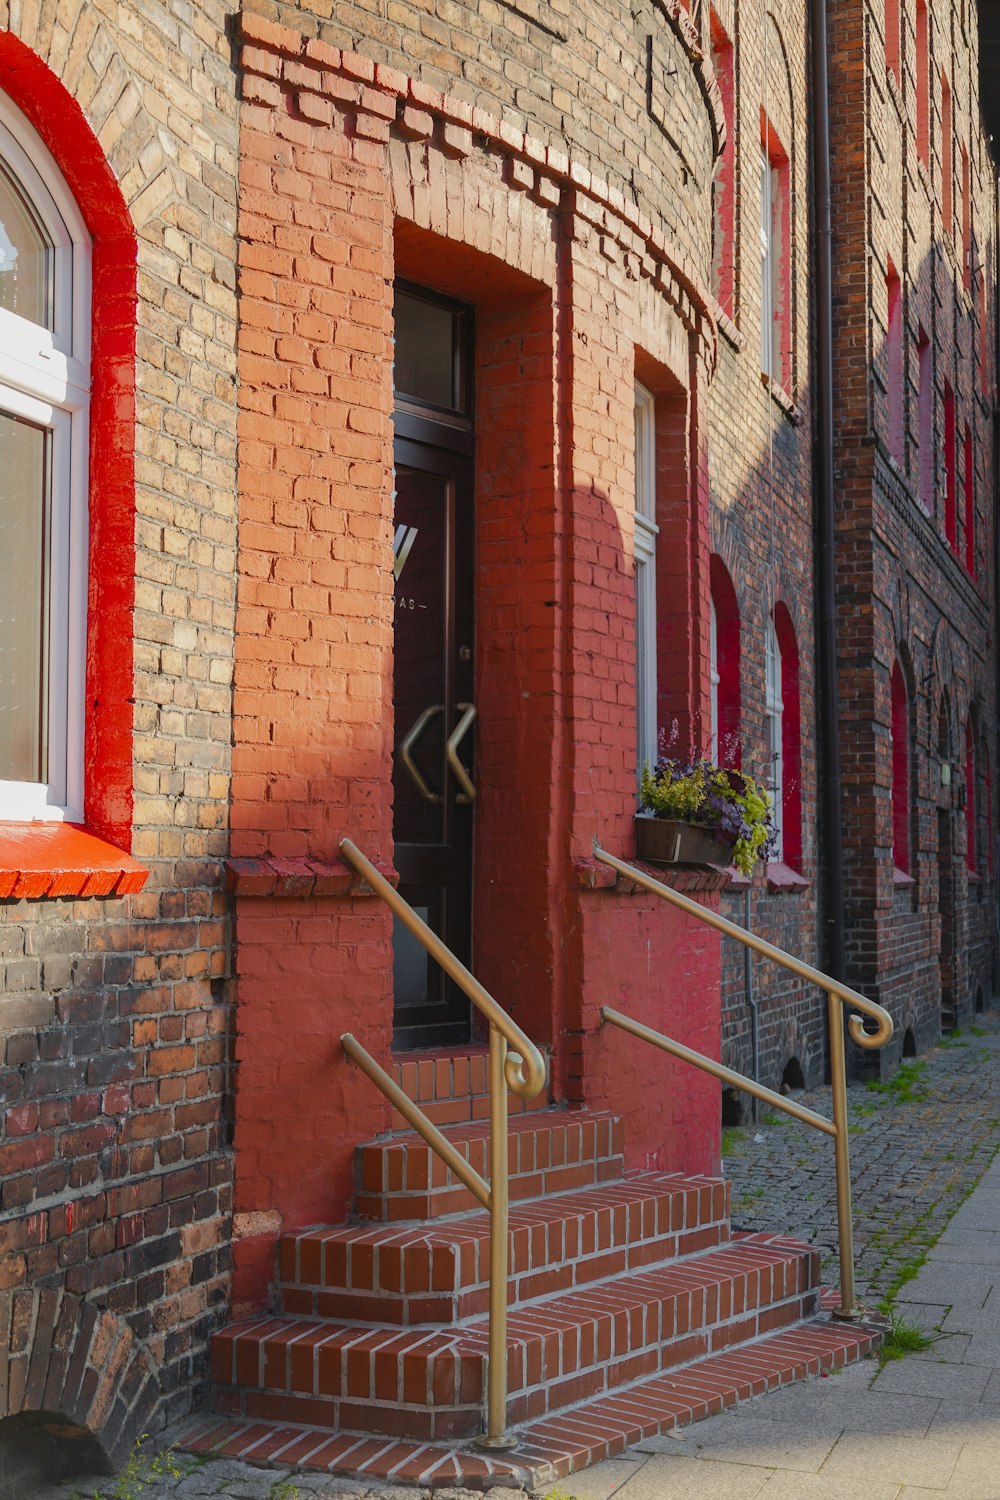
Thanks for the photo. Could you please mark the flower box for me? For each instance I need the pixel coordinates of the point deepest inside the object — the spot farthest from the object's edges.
(662, 841)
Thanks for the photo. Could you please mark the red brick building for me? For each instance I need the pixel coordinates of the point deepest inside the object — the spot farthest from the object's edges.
(411, 418)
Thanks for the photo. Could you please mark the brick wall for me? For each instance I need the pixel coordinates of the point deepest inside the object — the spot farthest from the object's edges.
(909, 592)
(114, 1172)
(760, 474)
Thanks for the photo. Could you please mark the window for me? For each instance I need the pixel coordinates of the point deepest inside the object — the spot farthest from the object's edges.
(925, 400)
(713, 677)
(900, 772)
(950, 498)
(894, 365)
(774, 245)
(786, 736)
(923, 86)
(947, 206)
(645, 575)
(970, 798)
(724, 625)
(44, 415)
(966, 225)
(724, 183)
(988, 808)
(774, 709)
(969, 486)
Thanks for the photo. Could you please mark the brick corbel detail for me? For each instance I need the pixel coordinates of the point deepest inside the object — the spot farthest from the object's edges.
(300, 878)
(678, 18)
(378, 101)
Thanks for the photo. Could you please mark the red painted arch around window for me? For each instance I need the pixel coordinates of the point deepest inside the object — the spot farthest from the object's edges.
(970, 798)
(900, 772)
(62, 125)
(791, 739)
(727, 621)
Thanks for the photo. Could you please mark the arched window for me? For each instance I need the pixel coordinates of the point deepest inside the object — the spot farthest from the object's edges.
(645, 574)
(774, 709)
(44, 416)
(970, 797)
(900, 772)
(724, 667)
(785, 735)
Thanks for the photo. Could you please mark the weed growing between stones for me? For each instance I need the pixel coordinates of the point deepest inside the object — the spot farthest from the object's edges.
(142, 1468)
(903, 1338)
(902, 1086)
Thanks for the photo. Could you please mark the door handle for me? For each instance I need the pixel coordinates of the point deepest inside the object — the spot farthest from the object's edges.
(461, 729)
(406, 752)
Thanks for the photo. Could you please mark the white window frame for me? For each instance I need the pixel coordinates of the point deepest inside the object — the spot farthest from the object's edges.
(774, 709)
(45, 378)
(644, 548)
(766, 232)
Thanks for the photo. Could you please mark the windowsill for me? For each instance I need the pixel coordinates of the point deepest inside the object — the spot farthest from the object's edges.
(783, 880)
(972, 876)
(62, 859)
(728, 329)
(901, 879)
(781, 398)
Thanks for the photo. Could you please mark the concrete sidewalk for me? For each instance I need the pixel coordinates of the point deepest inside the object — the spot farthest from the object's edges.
(927, 1426)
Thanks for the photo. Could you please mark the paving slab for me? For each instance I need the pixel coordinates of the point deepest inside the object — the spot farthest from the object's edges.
(822, 1487)
(915, 1377)
(681, 1478)
(972, 1425)
(867, 1456)
(738, 1438)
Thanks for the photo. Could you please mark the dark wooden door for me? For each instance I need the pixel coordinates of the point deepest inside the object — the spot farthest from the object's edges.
(434, 791)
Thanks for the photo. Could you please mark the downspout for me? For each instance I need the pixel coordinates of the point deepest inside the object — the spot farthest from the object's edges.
(752, 1002)
(826, 531)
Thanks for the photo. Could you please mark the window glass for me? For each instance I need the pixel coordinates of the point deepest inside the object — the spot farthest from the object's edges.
(774, 709)
(44, 423)
(645, 575)
(25, 504)
(425, 360)
(26, 259)
(714, 678)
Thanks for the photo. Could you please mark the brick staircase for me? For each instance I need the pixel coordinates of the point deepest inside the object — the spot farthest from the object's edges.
(632, 1309)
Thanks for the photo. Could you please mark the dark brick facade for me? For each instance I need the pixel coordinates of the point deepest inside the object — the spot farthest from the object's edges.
(552, 165)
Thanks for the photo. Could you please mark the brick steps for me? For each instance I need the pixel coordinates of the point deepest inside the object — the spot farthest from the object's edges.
(550, 1151)
(452, 1086)
(439, 1272)
(430, 1383)
(556, 1446)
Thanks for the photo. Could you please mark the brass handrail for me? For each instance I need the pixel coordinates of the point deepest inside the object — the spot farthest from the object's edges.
(522, 1070)
(837, 994)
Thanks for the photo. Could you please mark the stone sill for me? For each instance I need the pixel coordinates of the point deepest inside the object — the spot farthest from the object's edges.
(783, 880)
(900, 879)
(592, 875)
(62, 859)
(781, 398)
(299, 878)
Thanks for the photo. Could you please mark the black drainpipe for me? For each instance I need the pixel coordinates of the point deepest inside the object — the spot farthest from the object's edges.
(832, 846)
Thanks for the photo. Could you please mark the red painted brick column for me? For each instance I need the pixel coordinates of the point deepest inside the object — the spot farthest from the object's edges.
(312, 712)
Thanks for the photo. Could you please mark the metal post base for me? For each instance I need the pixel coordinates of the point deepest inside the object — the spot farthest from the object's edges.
(502, 1444)
(847, 1314)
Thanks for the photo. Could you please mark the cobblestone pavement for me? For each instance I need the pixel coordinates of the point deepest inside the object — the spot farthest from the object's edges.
(919, 1146)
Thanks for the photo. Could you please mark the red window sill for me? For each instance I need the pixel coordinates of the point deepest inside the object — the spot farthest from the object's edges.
(63, 859)
(781, 877)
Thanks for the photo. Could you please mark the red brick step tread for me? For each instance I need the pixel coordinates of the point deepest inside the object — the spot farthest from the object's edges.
(550, 1151)
(429, 1383)
(559, 1445)
(440, 1272)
